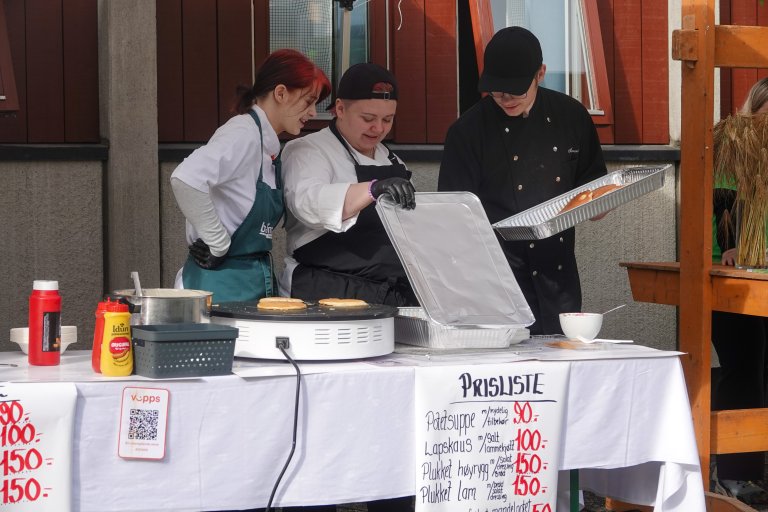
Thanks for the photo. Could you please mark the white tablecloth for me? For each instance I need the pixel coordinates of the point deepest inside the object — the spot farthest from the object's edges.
(628, 428)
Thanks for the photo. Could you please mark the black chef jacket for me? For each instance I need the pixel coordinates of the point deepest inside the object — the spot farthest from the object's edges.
(514, 163)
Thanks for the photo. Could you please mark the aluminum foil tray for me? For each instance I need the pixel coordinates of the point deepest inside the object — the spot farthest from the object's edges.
(545, 219)
(413, 327)
(454, 261)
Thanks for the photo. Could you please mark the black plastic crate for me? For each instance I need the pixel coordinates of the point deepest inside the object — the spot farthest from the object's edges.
(183, 350)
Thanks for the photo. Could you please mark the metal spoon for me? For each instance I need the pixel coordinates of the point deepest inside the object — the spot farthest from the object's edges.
(585, 340)
(614, 309)
(136, 283)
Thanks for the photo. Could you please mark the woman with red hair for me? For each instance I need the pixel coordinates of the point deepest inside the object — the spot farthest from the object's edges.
(230, 190)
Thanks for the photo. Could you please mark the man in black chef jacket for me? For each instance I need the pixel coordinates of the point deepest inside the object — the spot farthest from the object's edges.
(520, 145)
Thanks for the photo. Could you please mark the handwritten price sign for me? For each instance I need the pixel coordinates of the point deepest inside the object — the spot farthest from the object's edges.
(36, 430)
(488, 437)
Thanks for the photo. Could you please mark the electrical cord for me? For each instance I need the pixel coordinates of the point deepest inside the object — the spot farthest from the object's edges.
(282, 345)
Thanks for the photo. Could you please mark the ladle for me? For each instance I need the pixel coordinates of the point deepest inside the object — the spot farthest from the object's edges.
(136, 283)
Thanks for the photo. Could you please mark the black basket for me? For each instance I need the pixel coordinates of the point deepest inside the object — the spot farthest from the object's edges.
(183, 350)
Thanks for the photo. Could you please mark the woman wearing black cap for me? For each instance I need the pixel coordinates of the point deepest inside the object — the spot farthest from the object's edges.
(337, 244)
(521, 145)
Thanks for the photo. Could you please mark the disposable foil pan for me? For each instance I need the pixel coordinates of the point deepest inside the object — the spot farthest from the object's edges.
(545, 219)
(413, 327)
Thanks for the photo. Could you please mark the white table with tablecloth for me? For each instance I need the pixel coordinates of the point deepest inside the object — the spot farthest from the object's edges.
(628, 429)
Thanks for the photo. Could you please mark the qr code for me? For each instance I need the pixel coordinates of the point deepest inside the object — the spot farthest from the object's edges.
(143, 424)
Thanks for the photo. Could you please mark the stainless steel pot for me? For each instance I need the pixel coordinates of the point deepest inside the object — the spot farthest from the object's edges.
(167, 305)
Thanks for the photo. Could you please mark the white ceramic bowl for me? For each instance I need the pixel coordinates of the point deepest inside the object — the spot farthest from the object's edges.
(581, 325)
(20, 335)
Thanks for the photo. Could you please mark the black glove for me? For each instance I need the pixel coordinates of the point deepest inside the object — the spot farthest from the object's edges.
(400, 189)
(201, 253)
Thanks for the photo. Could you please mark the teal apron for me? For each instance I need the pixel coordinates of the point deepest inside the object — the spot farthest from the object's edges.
(246, 273)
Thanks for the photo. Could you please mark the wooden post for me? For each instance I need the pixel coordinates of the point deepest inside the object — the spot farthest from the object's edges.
(696, 214)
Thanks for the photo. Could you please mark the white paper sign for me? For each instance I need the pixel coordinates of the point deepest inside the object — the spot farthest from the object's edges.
(36, 432)
(488, 437)
(143, 421)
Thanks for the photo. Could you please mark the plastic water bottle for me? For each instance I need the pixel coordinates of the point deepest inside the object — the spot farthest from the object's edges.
(44, 323)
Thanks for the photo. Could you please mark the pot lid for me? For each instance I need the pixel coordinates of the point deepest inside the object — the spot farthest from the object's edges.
(170, 293)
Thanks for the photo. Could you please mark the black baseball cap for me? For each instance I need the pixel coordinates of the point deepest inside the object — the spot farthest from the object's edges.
(357, 83)
(512, 58)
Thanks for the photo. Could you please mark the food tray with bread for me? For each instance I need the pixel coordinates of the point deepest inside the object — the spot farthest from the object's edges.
(582, 203)
(414, 327)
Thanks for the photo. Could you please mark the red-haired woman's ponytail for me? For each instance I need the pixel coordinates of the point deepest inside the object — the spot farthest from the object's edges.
(289, 68)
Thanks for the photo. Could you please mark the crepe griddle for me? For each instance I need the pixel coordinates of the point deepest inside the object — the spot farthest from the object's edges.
(315, 333)
(313, 313)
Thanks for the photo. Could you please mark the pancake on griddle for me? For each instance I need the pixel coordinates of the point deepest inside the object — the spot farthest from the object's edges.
(343, 303)
(281, 304)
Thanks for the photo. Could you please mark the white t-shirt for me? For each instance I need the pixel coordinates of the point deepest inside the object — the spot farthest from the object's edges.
(227, 168)
(317, 171)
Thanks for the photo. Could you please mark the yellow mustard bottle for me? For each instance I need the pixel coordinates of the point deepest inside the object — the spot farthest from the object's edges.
(116, 349)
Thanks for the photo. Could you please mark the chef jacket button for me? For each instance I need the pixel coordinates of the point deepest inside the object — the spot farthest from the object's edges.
(506, 130)
(535, 272)
(561, 239)
(514, 158)
(531, 246)
(554, 148)
(519, 187)
(557, 179)
(559, 267)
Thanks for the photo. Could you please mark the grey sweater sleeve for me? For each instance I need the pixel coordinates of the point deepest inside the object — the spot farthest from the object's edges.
(198, 209)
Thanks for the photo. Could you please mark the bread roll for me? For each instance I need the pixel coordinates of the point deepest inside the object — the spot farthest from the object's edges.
(579, 199)
(601, 191)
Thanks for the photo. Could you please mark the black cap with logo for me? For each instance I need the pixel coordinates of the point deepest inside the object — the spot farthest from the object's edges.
(359, 82)
(512, 58)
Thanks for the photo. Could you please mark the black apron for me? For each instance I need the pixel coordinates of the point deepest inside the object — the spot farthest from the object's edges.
(246, 273)
(360, 263)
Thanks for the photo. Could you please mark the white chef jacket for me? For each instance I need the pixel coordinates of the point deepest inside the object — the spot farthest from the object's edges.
(317, 171)
(227, 168)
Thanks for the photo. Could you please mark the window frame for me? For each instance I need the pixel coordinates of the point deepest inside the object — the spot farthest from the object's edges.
(9, 98)
(596, 57)
(378, 51)
(482, 28)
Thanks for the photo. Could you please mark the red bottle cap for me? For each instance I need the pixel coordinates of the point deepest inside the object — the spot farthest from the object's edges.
(117, 307)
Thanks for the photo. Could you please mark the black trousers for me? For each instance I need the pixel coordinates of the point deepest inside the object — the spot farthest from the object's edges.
(740, 342)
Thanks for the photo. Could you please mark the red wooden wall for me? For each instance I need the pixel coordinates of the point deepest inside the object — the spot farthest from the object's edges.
(422, 53)
(204, 53)
(54, 48)
(200, 40)
(735, 83)
(635, 36)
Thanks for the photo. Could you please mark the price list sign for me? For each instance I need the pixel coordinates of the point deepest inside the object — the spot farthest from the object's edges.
(488, 436)
(36, 431)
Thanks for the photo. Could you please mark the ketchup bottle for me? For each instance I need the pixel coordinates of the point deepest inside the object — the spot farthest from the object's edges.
(44, 323)
(98, 335)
